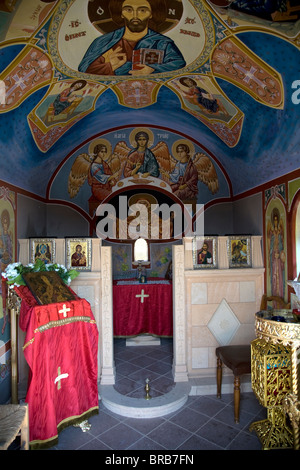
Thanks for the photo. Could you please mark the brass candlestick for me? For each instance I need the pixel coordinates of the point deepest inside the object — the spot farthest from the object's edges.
(147, 390)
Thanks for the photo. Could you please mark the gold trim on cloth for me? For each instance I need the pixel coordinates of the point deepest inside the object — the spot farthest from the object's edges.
(64, 321)
(38, 444)
(54, 324)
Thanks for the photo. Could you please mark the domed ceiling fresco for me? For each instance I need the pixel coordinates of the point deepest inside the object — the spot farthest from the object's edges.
(213, 83)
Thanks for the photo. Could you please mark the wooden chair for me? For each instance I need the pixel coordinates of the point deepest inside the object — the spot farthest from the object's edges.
(14, 421)
(238, 359)
(277, 302)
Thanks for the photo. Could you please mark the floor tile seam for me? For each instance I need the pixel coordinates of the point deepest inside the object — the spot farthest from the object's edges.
(98, 440)
(146, 433)
(146, 372)
(180, 427)
(165, 376)
(161, 351)
(194, 411)
(198, 412)
(232, 440)
(105, 430)
(152, 440)
(211, 416)
(242, 430)
(111, 428)
(189, 430)
(189, 437)
(202, 425)
(142, 368)
(127, 374)
(233, 426)
(162, 354)
(200, 437)
(161, 373)
(245, 412)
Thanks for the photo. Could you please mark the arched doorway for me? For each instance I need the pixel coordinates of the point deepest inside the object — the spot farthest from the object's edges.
(179, 318)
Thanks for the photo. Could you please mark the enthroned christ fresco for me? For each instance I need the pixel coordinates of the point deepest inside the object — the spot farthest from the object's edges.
(135, 47)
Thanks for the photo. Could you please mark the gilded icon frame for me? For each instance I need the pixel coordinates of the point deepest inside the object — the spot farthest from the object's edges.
(43, 249)
(79, 260)
(205, 259)
(239, 251)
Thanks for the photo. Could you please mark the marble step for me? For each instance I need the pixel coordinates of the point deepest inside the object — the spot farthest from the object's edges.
(142, 408)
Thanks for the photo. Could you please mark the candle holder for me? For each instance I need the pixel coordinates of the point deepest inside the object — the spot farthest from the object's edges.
(147, 390)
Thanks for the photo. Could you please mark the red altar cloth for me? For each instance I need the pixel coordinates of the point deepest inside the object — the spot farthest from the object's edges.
(137, 312)
(61, 350)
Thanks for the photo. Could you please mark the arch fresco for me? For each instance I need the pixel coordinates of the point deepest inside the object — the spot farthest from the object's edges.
(81, 185)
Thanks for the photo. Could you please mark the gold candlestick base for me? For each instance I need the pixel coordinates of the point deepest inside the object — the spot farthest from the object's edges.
(147, 390)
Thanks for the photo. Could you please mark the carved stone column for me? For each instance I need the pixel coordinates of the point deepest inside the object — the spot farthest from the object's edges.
(106, 324)
(179, 316)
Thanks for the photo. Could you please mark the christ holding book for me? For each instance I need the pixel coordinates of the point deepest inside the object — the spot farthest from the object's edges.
(114, 53)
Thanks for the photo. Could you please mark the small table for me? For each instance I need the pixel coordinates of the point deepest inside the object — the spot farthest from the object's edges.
(277, 328)
(143, 308)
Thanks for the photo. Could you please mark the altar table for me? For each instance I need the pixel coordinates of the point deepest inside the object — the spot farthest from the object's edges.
(143, 308)
(61, 346)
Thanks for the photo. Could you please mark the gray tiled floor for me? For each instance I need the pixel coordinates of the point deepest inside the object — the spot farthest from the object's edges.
(203, 423)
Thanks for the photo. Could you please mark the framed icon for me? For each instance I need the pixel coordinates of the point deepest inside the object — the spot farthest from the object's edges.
(205, 252)
(43, 249)
(79, 254)
(239, 251)
(48, 287)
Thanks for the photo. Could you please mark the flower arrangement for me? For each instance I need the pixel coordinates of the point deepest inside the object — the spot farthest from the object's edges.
(13, 273)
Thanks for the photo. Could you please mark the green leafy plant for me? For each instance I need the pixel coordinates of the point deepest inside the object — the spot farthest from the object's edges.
(13, 273)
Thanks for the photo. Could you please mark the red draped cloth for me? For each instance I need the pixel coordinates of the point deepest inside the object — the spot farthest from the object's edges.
(142, 308)
(60, 347)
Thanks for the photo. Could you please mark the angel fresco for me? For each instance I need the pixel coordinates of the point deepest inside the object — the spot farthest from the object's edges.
(141, 159)
(186, 170)
(102, 170)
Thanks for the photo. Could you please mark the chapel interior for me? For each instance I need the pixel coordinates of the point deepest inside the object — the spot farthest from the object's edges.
(153, 148)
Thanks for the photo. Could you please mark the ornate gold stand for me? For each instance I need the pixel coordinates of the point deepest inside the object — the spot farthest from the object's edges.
(274, 377)
(13, 307)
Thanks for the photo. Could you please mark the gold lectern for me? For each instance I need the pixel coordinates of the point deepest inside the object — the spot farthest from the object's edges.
(275, 378)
